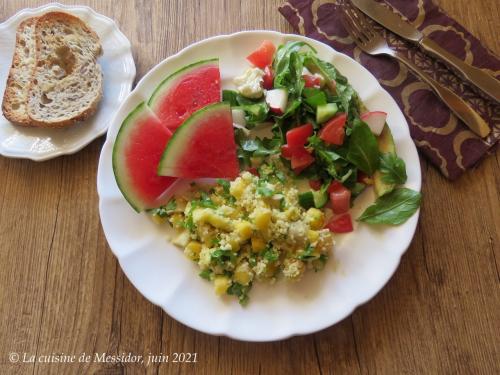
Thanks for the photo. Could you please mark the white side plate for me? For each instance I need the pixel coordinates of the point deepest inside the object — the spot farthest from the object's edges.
(118, 70)
(363, 262)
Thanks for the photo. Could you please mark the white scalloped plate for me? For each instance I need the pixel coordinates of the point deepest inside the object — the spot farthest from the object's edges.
(364, 260)
(118, 69)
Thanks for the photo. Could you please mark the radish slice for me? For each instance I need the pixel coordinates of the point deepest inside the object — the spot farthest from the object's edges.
(277, 100)
(375, 120)
(238, 116)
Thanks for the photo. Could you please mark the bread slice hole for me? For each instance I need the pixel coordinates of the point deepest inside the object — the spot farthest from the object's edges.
(15, 106)
(45, 99)
(65, 59)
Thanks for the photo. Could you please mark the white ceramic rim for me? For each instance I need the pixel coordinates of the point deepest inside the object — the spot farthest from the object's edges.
(129, 62)
(313, 328)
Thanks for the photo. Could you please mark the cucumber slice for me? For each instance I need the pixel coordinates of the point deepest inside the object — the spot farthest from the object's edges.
(324, 112)
(310, 199)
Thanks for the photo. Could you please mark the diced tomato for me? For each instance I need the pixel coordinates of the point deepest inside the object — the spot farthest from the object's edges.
(253, 171)
(301, 159)
(262, 56)
(268, 78)
(340, 224)
(311, 81)
(298, 136)
(341, 200)
(287, 151)
(335, 186)
(315, 184)
(333, 132)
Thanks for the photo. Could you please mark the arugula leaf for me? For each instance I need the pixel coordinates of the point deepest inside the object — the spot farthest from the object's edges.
(230, 96)
(363, 149)
(225, 184)
(259, 147)
(287, 67)
(241, 291)
(393, 208)
(205, 274)
(392, 169)
(164, 211)
(263, 190)
(221, 256)
(307, 254)
(270, 254)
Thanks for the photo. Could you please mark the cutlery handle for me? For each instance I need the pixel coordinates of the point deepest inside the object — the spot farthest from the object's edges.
(477, 77)
(452, 100)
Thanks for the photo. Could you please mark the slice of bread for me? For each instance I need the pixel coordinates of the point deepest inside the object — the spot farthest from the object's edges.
(66, 84)
(14, 105)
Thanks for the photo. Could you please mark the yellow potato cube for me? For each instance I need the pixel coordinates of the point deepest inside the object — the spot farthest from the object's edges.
(236, 188)
(192, 250)
(312, 236)
(200, 215)
(242, 275)
(221, 284)
(315, 218)
(258, 244)
(176, 220)
(182, 239)
(262, 218)
(244, 230)
(219, 222)
(158, 219)
(235, 244)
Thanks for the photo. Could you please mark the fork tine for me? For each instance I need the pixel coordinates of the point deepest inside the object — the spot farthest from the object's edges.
(364, 26)
(352, 26)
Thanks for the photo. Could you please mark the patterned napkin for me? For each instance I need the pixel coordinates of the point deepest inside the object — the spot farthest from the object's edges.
(439, 135)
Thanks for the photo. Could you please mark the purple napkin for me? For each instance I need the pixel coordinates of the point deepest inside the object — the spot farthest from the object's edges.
(438, 133)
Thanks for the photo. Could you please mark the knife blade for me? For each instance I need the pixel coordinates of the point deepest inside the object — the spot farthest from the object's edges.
(483, 81)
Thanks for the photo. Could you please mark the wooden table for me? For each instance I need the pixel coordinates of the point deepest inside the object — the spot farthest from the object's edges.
(62, 291)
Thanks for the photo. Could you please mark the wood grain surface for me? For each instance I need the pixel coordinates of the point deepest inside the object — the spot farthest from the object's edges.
(63, 292)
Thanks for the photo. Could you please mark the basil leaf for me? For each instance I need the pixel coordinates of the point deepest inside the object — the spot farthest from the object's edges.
(392, 169)
(393, 208)
(363, 148)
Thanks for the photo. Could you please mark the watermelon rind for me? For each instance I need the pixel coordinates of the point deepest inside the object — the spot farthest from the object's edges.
(167, 83)
(140, 112)
(176, 146)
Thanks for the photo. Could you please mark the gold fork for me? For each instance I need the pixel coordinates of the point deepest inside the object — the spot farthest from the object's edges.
(363, 34)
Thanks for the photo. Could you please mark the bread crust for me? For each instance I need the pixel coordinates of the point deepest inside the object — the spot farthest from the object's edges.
(10, 95)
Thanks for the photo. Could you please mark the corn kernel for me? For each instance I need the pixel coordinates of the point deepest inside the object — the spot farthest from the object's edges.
(258, 244)
(221, 284)
(244, 230)
(316, 218)
(312, 236)
(262, 218)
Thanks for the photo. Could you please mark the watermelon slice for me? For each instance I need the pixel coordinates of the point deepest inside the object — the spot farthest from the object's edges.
(203, 146)
(136, 154)
(186, 91)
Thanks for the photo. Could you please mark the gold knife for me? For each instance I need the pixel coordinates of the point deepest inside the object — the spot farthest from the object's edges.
(485, 82)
